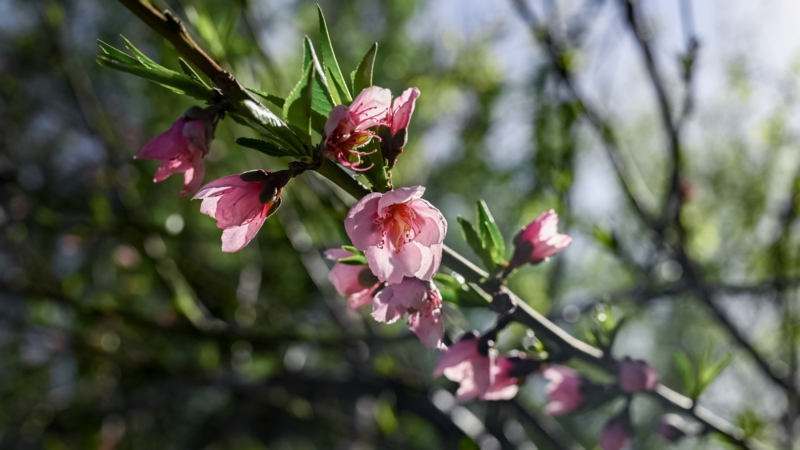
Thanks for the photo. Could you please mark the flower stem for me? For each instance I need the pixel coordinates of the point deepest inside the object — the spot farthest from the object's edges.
(341, 178)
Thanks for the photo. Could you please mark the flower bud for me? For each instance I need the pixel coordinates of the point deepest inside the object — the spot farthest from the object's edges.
(538, 241)
(617, 433)
(673, 427)
(564, 390)
(637, 376)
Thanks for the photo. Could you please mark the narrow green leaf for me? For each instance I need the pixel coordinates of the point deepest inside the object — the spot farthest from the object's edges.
(711, 372)
(173, 81)
(274, 99)
(686, 370)
(474, 241)
(297, 109)
(321, 99)
(491, 237)
(268, 148)
(355, 260)
(351, 249)
(362, 76)
(139, 55)
(189, 71)
(338, 87)
(118, 55)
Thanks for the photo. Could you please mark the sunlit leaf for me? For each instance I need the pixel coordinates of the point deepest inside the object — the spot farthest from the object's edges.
(362, 76)
(338, 86)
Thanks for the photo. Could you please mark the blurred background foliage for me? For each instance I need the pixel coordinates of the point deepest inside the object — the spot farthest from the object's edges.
(122, 325)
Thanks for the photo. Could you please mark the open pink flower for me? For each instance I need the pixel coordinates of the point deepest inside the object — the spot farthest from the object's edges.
(400, 234)
(241, 204)
(355, 281)
(348, 127)
(421, 301)
(538, 241)
(617, 433)
(503, 385)
(181, 148)
(563, 390)
(394, 139)
(636, 376)
(488, 376)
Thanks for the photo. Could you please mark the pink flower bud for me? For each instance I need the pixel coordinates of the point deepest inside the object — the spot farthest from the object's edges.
(348, 127)
(400, 234)
(241, 204)
(672, 428)
(538, 241)
(355, 281)
(637, 376)
(394, 139)
(181, 148)
(563, 390)
(617, 433)
(484, 376)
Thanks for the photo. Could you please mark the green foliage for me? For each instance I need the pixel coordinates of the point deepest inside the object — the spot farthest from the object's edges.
(361, 78)
(267, 148)
(142, 66)
(486, 241)
(339, 89)
(298, 107)
(697, 379)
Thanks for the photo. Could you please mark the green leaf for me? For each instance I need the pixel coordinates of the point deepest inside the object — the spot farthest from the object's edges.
(330, 66)
(474, 241)
(351, 249)
(117, 55)
(686, 370)
(268, 148)
(144, 67)
(491, 237)
(297, 109)
(362, 76)
(355, 260)
(710, 372)
(321, 99)
(189, 71)
(139, 55)
(274, 99)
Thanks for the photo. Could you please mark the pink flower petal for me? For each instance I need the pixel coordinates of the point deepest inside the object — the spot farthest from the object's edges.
(360, 222)
(402, 109)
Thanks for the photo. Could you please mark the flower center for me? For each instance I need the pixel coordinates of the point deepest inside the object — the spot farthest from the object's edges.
(398, 224)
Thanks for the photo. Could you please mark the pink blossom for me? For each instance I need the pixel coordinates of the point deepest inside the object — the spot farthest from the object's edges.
(401, 234)
(563, 390)
(673, 427)
(503, 385)
(483, 376)
(181, 148)
(421, 301)
(637, 376)
(348, 127)
(539, 240)
(393, 142)
(241, 204)
(617, 433)
(355, 281)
